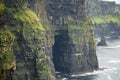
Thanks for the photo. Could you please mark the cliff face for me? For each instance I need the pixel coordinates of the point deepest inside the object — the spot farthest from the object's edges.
(74, 48)
(93, 8)
(47, 33)
(104, 16)
(31, 46)
(7, 58)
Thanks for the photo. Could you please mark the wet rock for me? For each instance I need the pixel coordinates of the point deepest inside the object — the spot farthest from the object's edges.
(102, 42)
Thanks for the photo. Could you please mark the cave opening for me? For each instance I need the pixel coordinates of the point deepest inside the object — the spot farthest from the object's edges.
(60, 50)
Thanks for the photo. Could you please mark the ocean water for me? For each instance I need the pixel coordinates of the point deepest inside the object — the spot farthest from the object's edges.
(109, 58)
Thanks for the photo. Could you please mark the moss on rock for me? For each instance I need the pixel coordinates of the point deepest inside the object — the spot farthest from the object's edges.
(23, 17)
(2, 13)
(7, 59)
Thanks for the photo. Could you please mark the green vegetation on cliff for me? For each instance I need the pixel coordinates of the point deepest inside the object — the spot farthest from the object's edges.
(29, 40)
(106, 19)
(1, 8)
(84, 25)
(2, 13)
(32, 45)
(43, 69)
(86, 31)
(7, 59)
(25, 17)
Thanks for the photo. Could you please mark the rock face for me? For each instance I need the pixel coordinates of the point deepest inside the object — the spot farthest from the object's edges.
(32, 44)
(110, 29)
(7, 58)
(49, 35)
(107, 8)
(7, 63)
(93, 8)
(104, 16)
(74, 48)
(100, 7)
(102, 42)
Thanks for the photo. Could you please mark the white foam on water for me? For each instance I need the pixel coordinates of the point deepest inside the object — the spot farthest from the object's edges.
(108, 76)
(86, 74)
(109, 47)
(57, 72)
(110, 58)
(96, 72)
(114, 61)
(65, 79)
(110, 69)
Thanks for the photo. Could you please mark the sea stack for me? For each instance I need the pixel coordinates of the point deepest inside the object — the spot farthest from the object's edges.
(102, 42)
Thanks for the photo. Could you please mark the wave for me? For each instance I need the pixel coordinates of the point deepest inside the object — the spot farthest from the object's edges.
(113, 46)
(114, 61)
(109, 47)
(97, 72)
(57, 72)
(111, 60)
(88, 73)
(65, 79)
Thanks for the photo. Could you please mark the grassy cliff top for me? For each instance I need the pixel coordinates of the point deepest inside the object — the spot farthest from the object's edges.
(82, 26)
(106, 19)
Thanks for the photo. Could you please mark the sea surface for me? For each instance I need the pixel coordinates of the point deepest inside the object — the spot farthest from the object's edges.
(109, 58)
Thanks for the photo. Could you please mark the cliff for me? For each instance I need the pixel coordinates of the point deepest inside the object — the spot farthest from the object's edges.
(7, 58)
(44, 36)
(105, 17)
(102, 42)
(30, 46)
(93, 8)
(74, 49)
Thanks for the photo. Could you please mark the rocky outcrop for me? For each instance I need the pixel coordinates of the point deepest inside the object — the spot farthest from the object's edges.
(7, 58)
(32, 44)
(110, 29)
(49, 35)
(93, 8)
(100, 7)
(102, 42)
(107, 7)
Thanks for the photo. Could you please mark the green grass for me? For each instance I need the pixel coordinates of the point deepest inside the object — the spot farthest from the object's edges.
(97, 20)
(27, 16)
(106, 19)
(78, 27)
(73, 27)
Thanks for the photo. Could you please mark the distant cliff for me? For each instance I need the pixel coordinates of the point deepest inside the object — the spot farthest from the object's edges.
(105, 17)
(39, 37)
